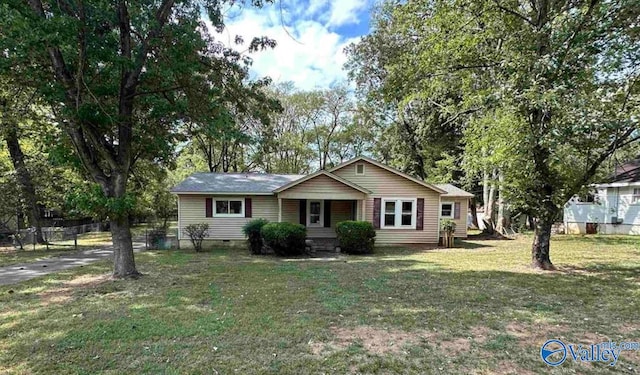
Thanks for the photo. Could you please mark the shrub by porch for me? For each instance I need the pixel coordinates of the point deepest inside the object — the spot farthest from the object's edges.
(284, 238)
(356, 237)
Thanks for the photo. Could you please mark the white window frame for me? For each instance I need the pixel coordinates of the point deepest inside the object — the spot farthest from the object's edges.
(320, 223)
(453, 209)
(398, 213)
(228, 199)
(364, 168)
(635, 198)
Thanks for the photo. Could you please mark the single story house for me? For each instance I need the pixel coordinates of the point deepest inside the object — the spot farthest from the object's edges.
(612, 207)
(402, 208)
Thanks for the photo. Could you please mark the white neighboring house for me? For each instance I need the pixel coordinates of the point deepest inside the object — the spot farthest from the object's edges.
(613, 209)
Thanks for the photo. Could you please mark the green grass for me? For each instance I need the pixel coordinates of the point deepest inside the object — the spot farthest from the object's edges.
(93, 240)
(474, 309)
(88, 241)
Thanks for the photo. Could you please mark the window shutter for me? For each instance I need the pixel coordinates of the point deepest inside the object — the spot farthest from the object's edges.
(208, 207)
(456, 210)
(377, 203)
(327, 213)
(247, 207)
(420, 214)
(303, 212)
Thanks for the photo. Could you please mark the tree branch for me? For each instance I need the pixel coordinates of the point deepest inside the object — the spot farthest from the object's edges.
(514, 13)
(625, 139)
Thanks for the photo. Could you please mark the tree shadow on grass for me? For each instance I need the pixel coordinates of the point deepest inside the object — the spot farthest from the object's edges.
(189, 307)
(598, 239)
(408, 249)
(605, 270)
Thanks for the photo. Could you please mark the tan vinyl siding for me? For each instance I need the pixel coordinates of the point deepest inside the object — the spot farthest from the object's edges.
(340, 211)
(385, 184)
(192, 211)
(461, 224)
(291, 211)
(321, 187)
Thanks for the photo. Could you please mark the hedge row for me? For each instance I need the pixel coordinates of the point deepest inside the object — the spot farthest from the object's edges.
(287, 239)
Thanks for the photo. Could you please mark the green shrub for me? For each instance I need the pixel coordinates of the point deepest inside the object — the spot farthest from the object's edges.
(356, 237)
(197, 233)
(448, 225)
(285, 239)
(252, 231)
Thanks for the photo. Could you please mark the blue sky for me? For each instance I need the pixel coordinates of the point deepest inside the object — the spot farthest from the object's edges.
(312, 55)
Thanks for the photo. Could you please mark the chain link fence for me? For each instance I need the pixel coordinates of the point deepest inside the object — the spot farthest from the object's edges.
(161, 238)
(55, 236)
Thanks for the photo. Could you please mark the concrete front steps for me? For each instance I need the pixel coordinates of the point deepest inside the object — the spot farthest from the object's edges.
(323, 244)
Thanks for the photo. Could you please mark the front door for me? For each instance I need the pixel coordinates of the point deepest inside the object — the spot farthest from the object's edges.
(315, 213)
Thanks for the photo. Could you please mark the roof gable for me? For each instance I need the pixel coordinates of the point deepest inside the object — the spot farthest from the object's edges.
(322, 173)
(390, 169)
(454, 191)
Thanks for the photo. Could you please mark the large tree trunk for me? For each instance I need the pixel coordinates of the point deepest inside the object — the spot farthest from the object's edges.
(489, 204)
(124, 264)
(485, 187)
(27, 189)
(541, 243)
(474, 212)
(502, 223)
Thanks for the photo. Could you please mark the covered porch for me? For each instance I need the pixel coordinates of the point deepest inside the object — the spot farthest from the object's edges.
(320, 216)
(320, 201)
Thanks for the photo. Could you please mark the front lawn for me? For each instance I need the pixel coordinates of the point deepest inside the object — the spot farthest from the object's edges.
(474, 309)
(93, 240)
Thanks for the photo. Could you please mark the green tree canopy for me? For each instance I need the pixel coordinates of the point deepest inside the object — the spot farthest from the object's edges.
(121, 78)
(545, 90)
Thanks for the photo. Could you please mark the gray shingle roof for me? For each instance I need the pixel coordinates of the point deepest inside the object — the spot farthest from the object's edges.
(238, 183)
(453, 191)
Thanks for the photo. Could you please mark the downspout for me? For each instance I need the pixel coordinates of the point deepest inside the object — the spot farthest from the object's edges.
(617, 205)
(606, 210)
(179, 226)
(439, 216)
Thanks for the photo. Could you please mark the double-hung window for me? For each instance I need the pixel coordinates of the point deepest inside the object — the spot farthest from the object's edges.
(446, 210)
(229, 207)
(399, 213)
(635, 198)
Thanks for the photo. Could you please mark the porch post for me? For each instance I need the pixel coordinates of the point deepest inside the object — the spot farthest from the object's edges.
(279, 210)
(363, 203)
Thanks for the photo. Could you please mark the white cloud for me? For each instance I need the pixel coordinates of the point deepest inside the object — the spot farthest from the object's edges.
(346, 11)
(309, 52)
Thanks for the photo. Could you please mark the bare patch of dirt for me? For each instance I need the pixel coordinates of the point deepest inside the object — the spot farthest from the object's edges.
(534, 334)
(457, 346)
(480, 333)
(591, 338)
(628, 328)
(510, 367)
(65, 292)
(316, 347)
(374, 340)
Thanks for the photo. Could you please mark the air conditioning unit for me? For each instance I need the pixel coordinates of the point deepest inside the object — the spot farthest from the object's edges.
(616, 220)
